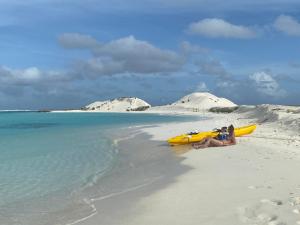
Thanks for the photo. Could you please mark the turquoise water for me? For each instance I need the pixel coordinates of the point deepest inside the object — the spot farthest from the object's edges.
(49, 156)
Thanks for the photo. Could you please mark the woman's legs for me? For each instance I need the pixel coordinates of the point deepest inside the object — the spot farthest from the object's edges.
(216, 143)
(203, 141)
(202, 144)
(208, 142)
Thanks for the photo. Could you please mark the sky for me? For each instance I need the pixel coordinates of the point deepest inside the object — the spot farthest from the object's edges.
(66, 54)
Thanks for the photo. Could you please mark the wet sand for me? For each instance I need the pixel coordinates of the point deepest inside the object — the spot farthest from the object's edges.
(143, 167)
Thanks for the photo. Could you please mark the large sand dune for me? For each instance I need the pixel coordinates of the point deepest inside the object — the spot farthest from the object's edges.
(196, 102)
(118, 105)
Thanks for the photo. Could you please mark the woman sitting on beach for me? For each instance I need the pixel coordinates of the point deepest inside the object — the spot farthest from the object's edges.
(218, 141)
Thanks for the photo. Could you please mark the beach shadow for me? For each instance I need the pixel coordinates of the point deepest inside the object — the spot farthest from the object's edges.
(177, 149)
(181, 149)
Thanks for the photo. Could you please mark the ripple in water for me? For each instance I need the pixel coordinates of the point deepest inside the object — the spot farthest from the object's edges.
(46, 160)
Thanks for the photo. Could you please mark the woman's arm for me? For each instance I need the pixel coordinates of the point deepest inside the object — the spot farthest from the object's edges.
(233, 140)
(230, 141)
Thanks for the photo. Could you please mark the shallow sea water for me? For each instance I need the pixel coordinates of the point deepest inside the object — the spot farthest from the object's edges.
(47, 160)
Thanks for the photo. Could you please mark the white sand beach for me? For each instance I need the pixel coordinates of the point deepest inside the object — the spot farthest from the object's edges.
(253, 182)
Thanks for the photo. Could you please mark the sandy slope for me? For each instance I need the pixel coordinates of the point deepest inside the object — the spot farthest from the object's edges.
(118, 105)
(245, 184)
(195, 102)
(254, 182)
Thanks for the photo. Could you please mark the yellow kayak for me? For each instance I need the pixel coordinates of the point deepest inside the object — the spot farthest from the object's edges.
(190, 138)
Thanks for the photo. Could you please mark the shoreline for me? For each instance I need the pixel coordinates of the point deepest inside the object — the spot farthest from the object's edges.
(152, 181)
(251, 182)
(74, 203)
(140, 172)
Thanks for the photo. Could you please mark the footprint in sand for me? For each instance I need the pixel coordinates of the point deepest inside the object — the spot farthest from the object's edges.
(271, 212)
(272, 202)
(296, 211)
(276, 223)
(294, 201)
(253, 187)
(262, 213)
(256, 216)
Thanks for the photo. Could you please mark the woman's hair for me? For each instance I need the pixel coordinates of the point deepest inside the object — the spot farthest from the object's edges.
(231, 129)
(224, 129)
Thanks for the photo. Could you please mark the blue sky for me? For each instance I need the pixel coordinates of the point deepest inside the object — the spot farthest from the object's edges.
(66, 54)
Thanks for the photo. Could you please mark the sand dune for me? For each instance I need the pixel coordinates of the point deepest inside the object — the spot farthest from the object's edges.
(196, 102)
(118, 105)
(287, 117)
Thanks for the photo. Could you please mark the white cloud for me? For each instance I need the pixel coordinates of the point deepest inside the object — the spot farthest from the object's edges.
(32, 87)
(188, 48)
(75, 40)
(103, 66)
(212, 67)
(287, 25)
(218, 28)
(131, 48)
(125, 55)
(30, 74)
(226, 84)
(201, 87)
(267, 85)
